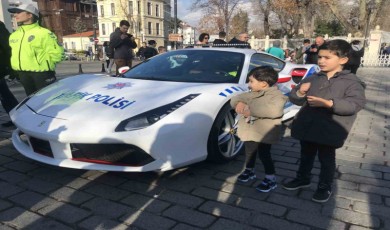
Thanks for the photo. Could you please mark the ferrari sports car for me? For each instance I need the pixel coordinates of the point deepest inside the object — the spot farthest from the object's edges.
(170, 111)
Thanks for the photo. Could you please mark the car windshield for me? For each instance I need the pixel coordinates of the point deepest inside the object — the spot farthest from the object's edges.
(188, 65)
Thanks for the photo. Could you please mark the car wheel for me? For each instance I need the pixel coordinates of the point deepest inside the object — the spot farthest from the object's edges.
(223, 143)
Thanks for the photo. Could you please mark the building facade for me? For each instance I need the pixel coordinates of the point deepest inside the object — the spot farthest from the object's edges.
(148, 19)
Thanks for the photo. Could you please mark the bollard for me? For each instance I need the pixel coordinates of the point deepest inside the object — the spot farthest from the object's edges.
(103, 69)
(80, 69)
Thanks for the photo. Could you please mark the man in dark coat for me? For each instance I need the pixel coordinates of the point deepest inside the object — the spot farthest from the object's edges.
(150, 51)
(357, 52)
(7, 99)
(221, 40)
(312, 52)
(123, 45)
(241, 41)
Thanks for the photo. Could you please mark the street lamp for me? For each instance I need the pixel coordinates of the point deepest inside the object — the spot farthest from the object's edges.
(370, 7)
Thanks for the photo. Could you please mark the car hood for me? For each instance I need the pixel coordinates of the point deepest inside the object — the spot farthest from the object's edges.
(109, 97)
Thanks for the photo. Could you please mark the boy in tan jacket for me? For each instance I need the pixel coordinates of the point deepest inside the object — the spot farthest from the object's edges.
(259, 127)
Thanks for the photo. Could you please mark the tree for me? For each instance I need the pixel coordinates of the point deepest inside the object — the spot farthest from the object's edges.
(127, 13)
(332, 28)
(220, 10)
(79, 26)
(239, 22)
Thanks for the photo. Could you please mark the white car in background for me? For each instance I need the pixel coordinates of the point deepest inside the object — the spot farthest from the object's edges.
(170, 111)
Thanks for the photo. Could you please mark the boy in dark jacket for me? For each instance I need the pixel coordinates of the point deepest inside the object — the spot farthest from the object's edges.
(330, 101)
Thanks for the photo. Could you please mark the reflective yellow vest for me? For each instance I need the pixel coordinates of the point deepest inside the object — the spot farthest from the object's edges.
(35, 49)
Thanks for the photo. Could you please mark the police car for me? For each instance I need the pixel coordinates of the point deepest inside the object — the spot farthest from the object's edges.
(170, 111)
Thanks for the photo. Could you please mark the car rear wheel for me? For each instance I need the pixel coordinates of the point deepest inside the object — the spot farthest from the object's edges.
(223, 143)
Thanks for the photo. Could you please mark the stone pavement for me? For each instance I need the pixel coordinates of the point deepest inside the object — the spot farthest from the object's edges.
(206, 195)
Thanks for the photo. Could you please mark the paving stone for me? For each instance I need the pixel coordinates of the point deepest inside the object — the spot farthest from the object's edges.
(142, 188)
(145, 220)
(386, 176)
(19, 217)
(379, 168)
(387, 201)
(4, 204)
(189, 216)
(13, 177)
(345, 184)
(110, 209)
(314, 220)
(71, 195)
(359, 196)
(365, 180)
(274, 223)
(224, 224)
(360, 172)
(355, 227)
(78, 183)
(21, 166)
(262, 206)
(294, 203)
(226, 211)
(39, 185)
(146, 203)
(226, 177)
(374, 189)
(5, 227)
(351, 217)
(32, 200)
(64, 212)
(359, 159)
(46, 223)
(48, 172)
(7, 189)
(212, 194)
(102, 223)
(244, 190)
(181, 198)
(185, 227)
(4, 159)
(107, 192)
(372, 209)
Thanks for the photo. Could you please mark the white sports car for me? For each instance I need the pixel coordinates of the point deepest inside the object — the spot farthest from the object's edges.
(169, 111)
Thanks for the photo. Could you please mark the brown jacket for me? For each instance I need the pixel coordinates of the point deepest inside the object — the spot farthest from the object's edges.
(266, 109)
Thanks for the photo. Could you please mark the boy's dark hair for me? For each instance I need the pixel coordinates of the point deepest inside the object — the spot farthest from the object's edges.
(124, 23)
(265, 73)
(222, 34)
(339, 47)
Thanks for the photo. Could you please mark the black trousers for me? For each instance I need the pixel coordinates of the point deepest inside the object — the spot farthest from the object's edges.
(264, 151)
(34, 81)
(7, 99)
(326, 156)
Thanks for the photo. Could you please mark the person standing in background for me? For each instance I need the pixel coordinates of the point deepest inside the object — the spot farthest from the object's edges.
(34, 50)
(300, 56)
(7, 99)
(150, 51)
(203, 39)
(356, 55)
(220, 41)
(123, 44)
(241, 41)
(276, 50)
(312, 52)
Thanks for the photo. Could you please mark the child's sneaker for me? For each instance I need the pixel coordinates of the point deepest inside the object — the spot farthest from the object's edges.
(322, 194)
(266, 185)
(247, 175)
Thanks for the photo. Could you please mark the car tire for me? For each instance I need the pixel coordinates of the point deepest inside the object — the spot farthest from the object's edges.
(223, 143)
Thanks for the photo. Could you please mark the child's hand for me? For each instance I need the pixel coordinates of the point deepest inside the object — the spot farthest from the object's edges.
(240, 107)
(304, 88)
(319, 102)
(246, 112)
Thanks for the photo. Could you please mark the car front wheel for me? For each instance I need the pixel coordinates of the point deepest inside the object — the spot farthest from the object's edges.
(223, 142)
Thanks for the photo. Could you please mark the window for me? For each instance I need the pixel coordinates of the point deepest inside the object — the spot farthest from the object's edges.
(157, 10)
(112, 8)
(264, 60)
(139, 7)
(131, 12)
(158, 28)
(113, 26)
(103, 29)
(149, 28)
(139, 27)
(73, 45)
(102, 10)
(149, 8)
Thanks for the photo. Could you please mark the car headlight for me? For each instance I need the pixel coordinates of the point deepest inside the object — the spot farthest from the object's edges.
(150, 117)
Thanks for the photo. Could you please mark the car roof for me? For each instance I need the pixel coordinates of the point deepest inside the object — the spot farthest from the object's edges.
(236, 50)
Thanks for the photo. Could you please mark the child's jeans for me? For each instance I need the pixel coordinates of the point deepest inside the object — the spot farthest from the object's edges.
(326, 156)
(264, 150)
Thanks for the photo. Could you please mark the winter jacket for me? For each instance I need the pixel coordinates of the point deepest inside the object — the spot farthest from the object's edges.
(219, 42)
(150, 52)
(266, 108)
(240, 44)
(34, 49)
(312, 57)
(356, 54)
(123, 48)
(5, 52)
(328, 126)
(276, 51)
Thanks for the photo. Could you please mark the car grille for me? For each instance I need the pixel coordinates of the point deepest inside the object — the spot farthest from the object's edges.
(111, 154)
(41, 146)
